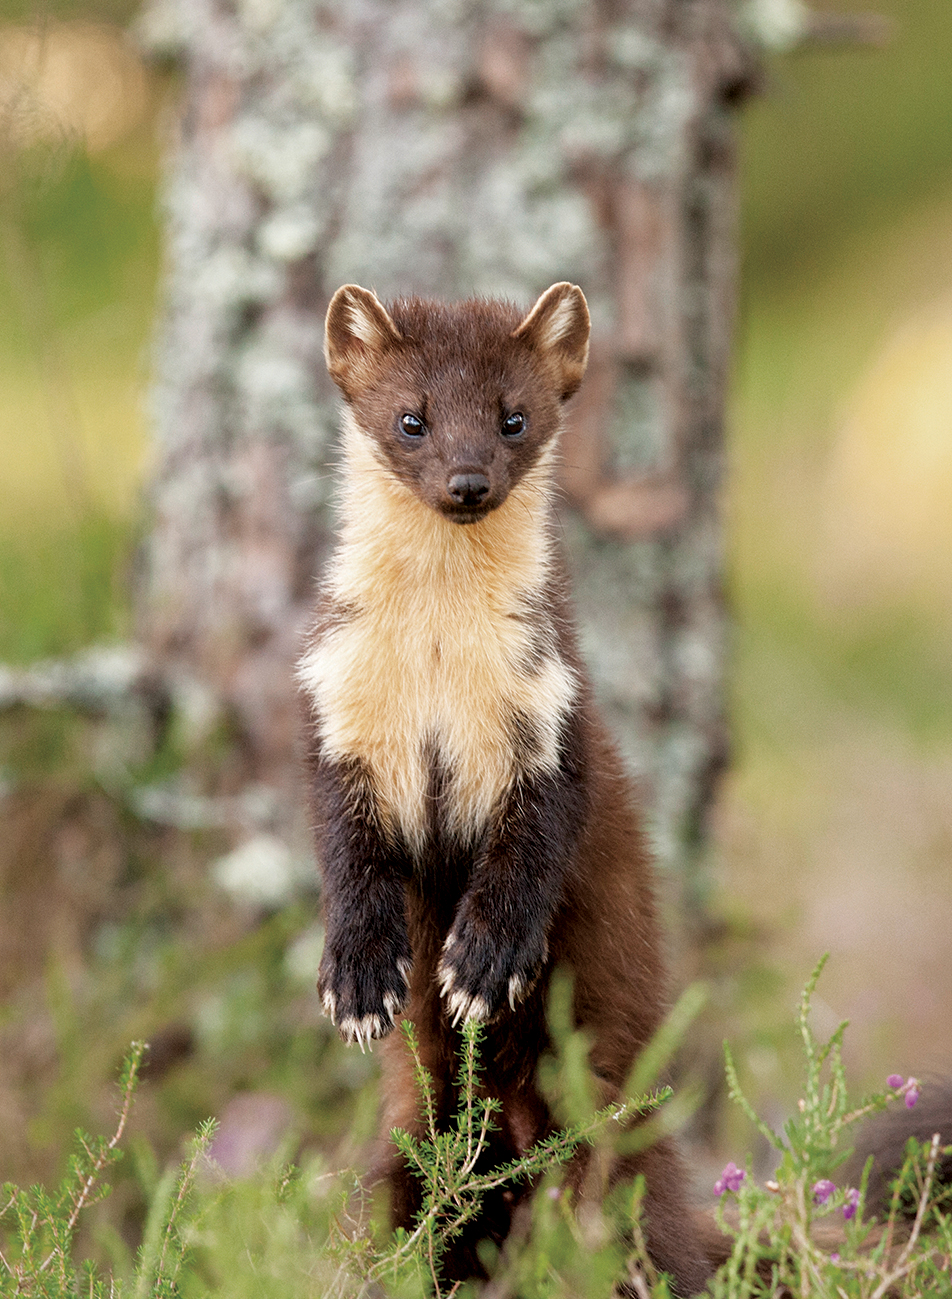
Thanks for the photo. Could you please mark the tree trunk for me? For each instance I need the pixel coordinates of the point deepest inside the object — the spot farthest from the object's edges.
(450, 148)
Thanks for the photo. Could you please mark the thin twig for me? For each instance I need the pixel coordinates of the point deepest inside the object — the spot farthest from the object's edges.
(903, 1265)
(185, 1186)
(103, 1158)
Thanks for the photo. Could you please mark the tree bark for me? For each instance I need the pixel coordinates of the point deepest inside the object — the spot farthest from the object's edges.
(450, 148)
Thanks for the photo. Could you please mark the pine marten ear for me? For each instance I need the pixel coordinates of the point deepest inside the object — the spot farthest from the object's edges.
(558, 327)
(357, 333)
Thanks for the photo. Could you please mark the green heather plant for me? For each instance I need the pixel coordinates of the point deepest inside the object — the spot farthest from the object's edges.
(799, 1233)
(315, 1234)
(447, 1163)
(37, 1258)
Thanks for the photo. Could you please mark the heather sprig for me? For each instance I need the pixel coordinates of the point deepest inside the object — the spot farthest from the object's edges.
(38, 1253)
(449, 1163)
(37, 1258)
(785, 1234)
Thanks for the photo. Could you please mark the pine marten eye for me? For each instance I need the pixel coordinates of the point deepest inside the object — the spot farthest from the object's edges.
(412, 425)
(513, 424)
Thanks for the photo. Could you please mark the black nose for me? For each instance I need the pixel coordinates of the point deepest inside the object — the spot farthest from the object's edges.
(468, 489)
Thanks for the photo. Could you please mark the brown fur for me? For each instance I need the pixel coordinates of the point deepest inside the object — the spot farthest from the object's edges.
(475, 827)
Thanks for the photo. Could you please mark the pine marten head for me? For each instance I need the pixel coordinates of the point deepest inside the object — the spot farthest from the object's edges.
(461, 400)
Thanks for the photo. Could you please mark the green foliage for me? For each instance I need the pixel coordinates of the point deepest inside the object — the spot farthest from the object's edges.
(39, 1259)
(811, 1139)
(797, 1233)
(308, 1232)
(448, 1164)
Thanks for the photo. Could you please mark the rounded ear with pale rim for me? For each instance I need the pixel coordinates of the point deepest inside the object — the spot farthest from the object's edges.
(357, 332)
(558, 327)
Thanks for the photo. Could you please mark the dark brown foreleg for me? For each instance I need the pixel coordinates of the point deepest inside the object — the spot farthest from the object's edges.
(499, 940)
(365, 967)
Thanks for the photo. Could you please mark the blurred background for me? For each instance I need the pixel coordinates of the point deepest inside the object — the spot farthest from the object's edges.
(834, 825)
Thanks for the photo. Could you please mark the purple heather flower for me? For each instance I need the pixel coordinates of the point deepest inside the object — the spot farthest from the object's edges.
(909, 1088)
(834, 1257)
(852, 1202)
(822, 1190)
(730, 1179)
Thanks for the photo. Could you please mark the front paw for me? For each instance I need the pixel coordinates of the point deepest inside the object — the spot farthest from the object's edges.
(482, 970)
(363, 993)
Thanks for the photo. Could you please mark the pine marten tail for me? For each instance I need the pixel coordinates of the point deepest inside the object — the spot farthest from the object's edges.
(885, 1137)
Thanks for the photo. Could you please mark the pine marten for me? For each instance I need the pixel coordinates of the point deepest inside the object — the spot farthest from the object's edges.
(475, 828)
